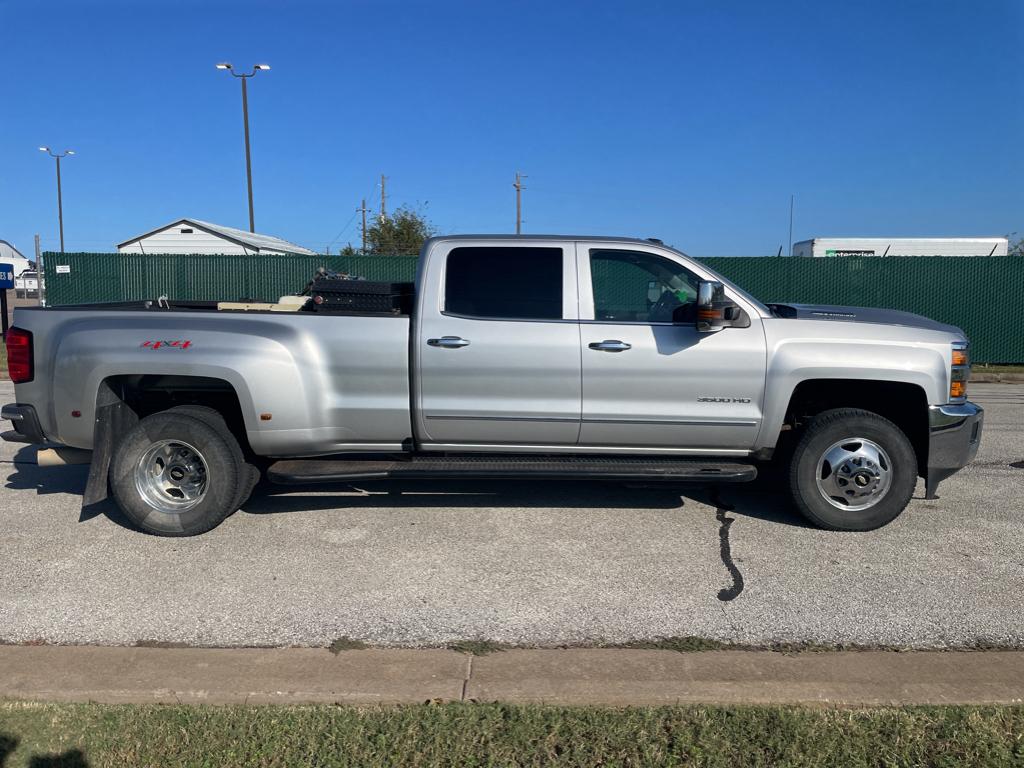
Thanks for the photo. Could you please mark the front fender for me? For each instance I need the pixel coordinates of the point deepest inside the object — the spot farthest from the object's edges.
(792, 361)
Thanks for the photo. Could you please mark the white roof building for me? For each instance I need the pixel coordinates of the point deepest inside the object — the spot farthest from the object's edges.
(195, 236)
(11, 255)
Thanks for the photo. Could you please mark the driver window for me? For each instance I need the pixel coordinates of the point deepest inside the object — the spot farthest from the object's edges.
(639, 287)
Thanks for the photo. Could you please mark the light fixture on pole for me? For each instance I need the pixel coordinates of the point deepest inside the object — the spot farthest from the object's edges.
(245, 120)
(60, 202)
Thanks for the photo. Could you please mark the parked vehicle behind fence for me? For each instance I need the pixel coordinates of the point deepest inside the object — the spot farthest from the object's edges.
(27, 282)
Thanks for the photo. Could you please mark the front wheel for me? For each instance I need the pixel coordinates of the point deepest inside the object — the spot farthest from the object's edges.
(852, 470)
(177, 475)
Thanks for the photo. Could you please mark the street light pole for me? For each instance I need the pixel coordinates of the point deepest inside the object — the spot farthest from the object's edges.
(60, 197)
(60, 207)
(245, 122)
(248, 156)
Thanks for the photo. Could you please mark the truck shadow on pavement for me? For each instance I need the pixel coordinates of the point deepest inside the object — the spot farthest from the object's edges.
(68, 480)
(757, 500)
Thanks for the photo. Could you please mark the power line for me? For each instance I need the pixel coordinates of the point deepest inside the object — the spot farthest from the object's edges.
(345, 228)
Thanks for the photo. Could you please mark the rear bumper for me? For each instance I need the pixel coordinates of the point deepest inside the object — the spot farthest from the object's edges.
(26, 424)
(954, 434)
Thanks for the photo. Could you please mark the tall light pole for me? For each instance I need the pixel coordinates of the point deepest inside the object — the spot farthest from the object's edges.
(245, 120)
(60, 202)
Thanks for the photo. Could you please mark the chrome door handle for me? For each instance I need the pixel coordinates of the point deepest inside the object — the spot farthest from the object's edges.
(611, 345)
(448, 342)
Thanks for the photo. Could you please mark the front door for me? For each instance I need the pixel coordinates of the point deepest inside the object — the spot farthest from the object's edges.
(499, 358)
(650, 380)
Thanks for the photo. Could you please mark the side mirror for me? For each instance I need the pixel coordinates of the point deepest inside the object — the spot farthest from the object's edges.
(715, 310)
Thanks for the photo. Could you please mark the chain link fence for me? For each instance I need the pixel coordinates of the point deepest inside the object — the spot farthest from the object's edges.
(982, 295)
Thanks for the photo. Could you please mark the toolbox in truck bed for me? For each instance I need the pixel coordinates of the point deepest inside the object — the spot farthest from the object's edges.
(340, 295)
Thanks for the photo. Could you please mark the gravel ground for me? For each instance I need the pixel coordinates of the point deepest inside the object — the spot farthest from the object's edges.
(529, 563)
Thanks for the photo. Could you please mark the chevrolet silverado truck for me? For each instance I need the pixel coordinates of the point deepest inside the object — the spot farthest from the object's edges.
(519, 357)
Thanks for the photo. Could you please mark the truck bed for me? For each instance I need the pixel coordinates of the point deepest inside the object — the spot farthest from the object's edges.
(305, 383)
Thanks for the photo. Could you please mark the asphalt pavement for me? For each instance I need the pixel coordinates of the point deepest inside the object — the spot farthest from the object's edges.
(539, 563)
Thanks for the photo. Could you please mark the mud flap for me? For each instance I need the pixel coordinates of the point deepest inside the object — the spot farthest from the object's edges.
(114, 418)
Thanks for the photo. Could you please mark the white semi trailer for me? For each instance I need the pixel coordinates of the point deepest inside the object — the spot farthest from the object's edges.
(902, 246)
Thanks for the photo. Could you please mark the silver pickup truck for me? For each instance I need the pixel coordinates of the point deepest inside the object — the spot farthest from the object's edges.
(522, 357)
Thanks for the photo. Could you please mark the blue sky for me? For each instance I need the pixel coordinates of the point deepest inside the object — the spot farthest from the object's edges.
(689, 121)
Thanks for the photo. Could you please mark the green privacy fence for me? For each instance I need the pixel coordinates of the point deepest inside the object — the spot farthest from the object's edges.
(982, 295)
(79, 278)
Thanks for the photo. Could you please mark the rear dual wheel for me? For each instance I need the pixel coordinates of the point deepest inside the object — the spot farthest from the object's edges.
(180, 472)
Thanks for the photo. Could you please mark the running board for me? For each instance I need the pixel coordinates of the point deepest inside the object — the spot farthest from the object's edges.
(340, 470)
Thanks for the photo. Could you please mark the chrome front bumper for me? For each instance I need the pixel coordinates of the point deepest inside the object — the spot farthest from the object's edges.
(954, 434)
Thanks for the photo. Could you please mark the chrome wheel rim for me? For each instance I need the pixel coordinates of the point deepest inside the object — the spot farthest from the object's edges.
(171, 476)
(854, 474)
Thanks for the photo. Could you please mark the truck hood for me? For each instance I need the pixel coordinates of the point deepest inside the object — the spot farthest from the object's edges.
(861, 315)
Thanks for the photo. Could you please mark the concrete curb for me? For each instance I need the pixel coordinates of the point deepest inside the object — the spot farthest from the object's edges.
(570, 676)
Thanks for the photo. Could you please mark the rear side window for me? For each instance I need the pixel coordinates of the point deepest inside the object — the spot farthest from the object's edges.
(504, 283)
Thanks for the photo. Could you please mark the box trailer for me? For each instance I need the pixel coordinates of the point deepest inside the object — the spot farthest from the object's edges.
(902, 246)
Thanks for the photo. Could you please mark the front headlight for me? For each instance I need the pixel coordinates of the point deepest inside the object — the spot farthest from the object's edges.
(960, 371)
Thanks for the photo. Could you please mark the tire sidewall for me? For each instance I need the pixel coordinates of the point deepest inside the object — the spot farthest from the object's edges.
(828, 429)
(223, 475)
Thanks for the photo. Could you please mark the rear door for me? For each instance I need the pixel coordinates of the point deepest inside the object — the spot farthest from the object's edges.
(650, 380)
(498, 346)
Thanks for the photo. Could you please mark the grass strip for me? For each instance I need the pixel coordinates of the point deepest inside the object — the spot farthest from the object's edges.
(469, 735)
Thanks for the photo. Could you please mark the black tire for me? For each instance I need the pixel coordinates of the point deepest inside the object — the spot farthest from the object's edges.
(250, 474)
(224, 474)
(840, 426)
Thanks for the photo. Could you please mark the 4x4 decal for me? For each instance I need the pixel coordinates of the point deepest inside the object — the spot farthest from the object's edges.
(177, 344)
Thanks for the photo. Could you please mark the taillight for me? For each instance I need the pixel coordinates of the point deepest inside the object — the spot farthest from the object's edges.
(19, 355)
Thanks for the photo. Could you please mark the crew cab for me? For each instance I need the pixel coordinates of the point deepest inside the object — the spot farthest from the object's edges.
(522, 357)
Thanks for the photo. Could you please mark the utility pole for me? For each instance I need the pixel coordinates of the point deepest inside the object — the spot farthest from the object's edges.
(791, 225)
(362, 209)
(383, 198)
(518, 184)
(40, 273)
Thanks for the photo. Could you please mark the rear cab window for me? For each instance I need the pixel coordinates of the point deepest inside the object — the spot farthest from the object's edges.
(505, 283)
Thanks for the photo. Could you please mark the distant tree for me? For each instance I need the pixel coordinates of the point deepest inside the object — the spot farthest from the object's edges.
(348, 250)
(400, 234)
(1017, 249)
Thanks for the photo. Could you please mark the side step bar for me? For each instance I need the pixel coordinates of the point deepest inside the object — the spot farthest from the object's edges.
(331, 470)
